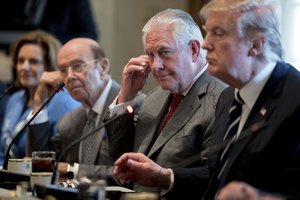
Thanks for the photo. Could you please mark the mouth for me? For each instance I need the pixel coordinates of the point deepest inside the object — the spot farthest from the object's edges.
(72, 88)
(25, 75)
(162, 75)
(211, 60)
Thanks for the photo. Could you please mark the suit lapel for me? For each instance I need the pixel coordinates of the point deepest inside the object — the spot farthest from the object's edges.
(221, 124)
(189, 105)
(68, 126)
(262, 110)
(150, 118)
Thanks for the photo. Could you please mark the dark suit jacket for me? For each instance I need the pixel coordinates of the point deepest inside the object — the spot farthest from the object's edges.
(269, 159)
(69, 129)
(184, 137)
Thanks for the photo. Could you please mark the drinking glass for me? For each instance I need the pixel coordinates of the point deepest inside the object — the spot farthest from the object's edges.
(43, 161)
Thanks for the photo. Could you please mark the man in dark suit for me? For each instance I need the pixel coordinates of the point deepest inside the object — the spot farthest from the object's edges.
(84, 68)
(261, 160)
(172, 41)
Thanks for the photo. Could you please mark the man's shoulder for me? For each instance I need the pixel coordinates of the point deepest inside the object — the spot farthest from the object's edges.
(114, 90)
(212, 84)
(293, 74)
(156, 91)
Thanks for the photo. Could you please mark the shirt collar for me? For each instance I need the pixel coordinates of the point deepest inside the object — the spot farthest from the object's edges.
(250, 92)
(99, 105)
(195, 79)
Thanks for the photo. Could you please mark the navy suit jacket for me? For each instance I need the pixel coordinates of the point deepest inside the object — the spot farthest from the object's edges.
(268, 159)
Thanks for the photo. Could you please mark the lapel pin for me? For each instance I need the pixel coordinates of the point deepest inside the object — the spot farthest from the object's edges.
(263, 111)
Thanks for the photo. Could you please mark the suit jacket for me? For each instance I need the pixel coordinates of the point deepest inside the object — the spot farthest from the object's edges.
(181, 141)
(269, 158)
(69, 129)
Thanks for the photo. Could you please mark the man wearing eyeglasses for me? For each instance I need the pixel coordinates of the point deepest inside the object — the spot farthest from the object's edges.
(84, 69)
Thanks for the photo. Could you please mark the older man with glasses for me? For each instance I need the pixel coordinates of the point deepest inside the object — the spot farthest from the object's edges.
(84, 69)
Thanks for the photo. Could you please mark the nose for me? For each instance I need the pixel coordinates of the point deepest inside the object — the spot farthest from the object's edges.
(207, 45)
(157, 63)
(70, 74)
(25, 65)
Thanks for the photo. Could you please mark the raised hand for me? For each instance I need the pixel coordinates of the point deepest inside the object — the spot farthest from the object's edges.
(134, 76)
(48, 83)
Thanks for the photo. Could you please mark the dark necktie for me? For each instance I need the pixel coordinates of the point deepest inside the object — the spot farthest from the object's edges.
(234, 121)
(88, 143)
(174, 104)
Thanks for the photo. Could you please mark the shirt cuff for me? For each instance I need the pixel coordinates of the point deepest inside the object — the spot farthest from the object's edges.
(119, 109)
(163, 192)
(40, 118)
(75, 169)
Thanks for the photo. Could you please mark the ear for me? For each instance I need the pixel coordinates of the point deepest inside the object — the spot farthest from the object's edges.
(257, 46)
(195, 47)
(104, 66)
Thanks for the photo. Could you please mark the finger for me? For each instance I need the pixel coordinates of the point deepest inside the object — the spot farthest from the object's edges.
(133, 165)
(134, 69)
(126, 167)
(121, 159)
(116, 171)
(128, 176)
(139, 60)
(130, 155)
(147, 73)
(141, 167)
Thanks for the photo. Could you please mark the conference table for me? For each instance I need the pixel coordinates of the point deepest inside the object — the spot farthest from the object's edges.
(10, 183)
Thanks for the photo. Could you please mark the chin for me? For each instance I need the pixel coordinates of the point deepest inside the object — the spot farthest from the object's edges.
(212, 70)
(164, 85)
(76, 95)
(28, 84)
(171, 89)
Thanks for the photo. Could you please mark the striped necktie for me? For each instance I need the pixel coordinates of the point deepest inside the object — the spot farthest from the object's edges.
(88, 143)
(233, 125)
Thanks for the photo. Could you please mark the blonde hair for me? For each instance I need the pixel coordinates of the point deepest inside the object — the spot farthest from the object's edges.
(255, 17)
(49, 44)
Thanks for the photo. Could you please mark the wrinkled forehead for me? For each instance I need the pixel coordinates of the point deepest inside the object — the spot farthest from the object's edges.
(221, 19)
(235, 6)
(159, 36)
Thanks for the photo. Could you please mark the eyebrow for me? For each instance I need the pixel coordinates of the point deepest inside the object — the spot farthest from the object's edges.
(72, 62)
(159, 48)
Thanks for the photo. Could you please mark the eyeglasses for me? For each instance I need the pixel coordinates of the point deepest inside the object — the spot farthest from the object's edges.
(77, 67)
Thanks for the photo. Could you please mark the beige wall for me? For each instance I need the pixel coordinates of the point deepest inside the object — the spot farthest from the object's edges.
(120, 23)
